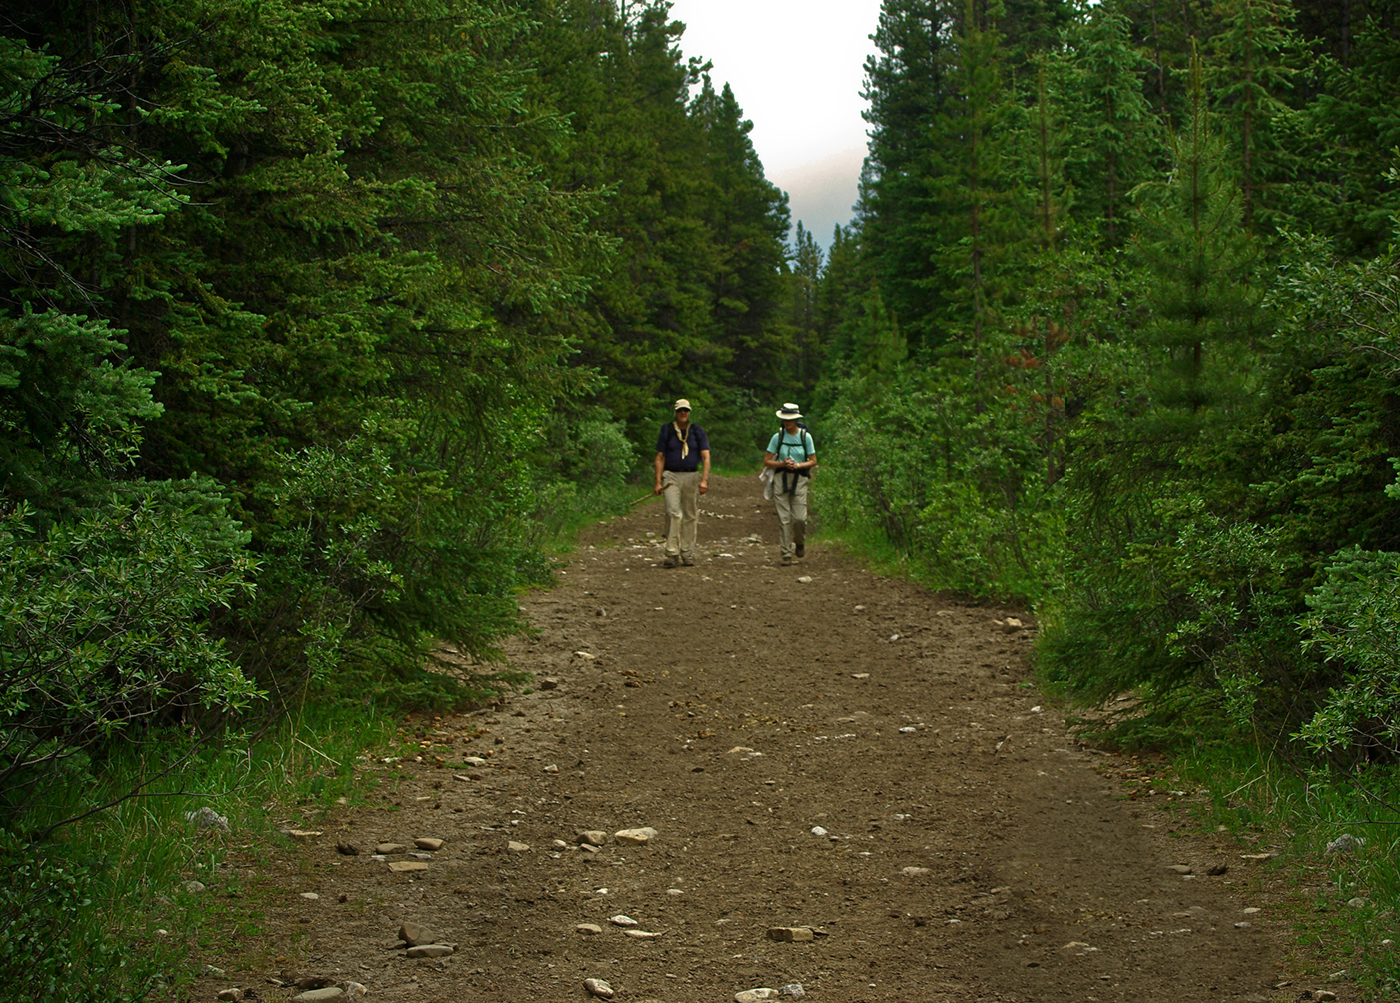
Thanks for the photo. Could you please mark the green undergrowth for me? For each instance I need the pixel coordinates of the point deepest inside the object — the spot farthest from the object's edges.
(102, 909)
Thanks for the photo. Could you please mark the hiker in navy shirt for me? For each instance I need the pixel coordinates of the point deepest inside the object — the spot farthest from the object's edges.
(683, 474)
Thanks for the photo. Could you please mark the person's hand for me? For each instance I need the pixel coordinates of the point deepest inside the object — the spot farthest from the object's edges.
(656, 490)
(704, 486)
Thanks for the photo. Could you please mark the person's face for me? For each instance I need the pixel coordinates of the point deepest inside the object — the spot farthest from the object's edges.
(682, 416)
(790, 426)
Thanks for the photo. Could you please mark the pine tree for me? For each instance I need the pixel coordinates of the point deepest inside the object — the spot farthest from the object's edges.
(1113, 128)
(1204, 307)
(1251, 78)
(747, 219)
(966, 171)
(907, 89)
(804, 278)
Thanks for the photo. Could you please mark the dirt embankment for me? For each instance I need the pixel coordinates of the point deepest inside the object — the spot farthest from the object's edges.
(816, 748)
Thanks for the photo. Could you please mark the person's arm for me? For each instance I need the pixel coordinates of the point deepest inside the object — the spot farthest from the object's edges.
(660, 463)
(811, 460)
(705, 477)
(770, 456)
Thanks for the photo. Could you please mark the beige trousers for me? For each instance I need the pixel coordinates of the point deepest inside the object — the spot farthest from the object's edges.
(682, 494)
(792, 510)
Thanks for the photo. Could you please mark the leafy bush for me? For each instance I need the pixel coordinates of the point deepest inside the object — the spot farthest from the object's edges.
(103, 627)
(55, 942)
(1353, 622)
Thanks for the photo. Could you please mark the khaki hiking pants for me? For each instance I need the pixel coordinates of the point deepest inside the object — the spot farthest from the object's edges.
(792, 510)
(682, 494)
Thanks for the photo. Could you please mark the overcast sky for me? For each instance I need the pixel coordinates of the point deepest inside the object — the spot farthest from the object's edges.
(796, 67)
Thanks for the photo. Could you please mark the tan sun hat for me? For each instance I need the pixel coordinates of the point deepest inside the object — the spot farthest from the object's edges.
(788, 412)
(682, 405)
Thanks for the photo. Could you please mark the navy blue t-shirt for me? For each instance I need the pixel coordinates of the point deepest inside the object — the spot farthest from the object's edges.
(668, 443)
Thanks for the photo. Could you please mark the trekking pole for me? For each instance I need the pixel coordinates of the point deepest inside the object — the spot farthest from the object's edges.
(644, 498)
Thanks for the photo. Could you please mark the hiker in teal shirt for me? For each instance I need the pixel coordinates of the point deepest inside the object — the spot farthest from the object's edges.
(791, 455)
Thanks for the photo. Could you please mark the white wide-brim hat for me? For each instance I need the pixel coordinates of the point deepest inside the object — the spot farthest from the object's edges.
(788, 412)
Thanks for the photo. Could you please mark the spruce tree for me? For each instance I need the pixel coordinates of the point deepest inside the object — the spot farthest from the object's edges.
(906, 86)
(1114, 133)
(1204, 306)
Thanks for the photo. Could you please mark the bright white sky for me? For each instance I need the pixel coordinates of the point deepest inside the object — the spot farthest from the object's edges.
(797, 68)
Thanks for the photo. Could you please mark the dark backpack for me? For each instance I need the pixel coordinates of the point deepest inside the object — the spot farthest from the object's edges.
(802, 434)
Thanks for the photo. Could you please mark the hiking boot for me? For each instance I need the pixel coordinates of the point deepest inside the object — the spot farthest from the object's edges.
(687, 561)
(670, 562)
(801, 550)
(786, 560)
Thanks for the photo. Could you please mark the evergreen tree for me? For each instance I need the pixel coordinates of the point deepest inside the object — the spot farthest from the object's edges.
(747, 220)
(1250, 78)
(1204, 306)
(907, 89)
(966, 171)
(1113, 129)
(804, 278)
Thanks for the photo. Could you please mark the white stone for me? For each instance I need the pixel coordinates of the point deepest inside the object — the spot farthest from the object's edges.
(913, 872)
(311, 896)
(474, 761)
(428, 843)
(635, 837)
(588, 929)
(208, 818)
(593, 837)
(429, 951)
(232, 995)
(317, 995)
(756, 995)
(514, 846)
(622, 920)
(1345, 843)
(805, 579)
(791, 934)
(195, 887)
(353, 990)
(598, 988)
(641, 934)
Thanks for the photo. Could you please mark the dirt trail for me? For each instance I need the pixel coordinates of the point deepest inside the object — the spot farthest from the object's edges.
(971, 850)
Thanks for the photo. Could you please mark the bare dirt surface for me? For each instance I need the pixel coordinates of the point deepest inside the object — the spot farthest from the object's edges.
(815, 747)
